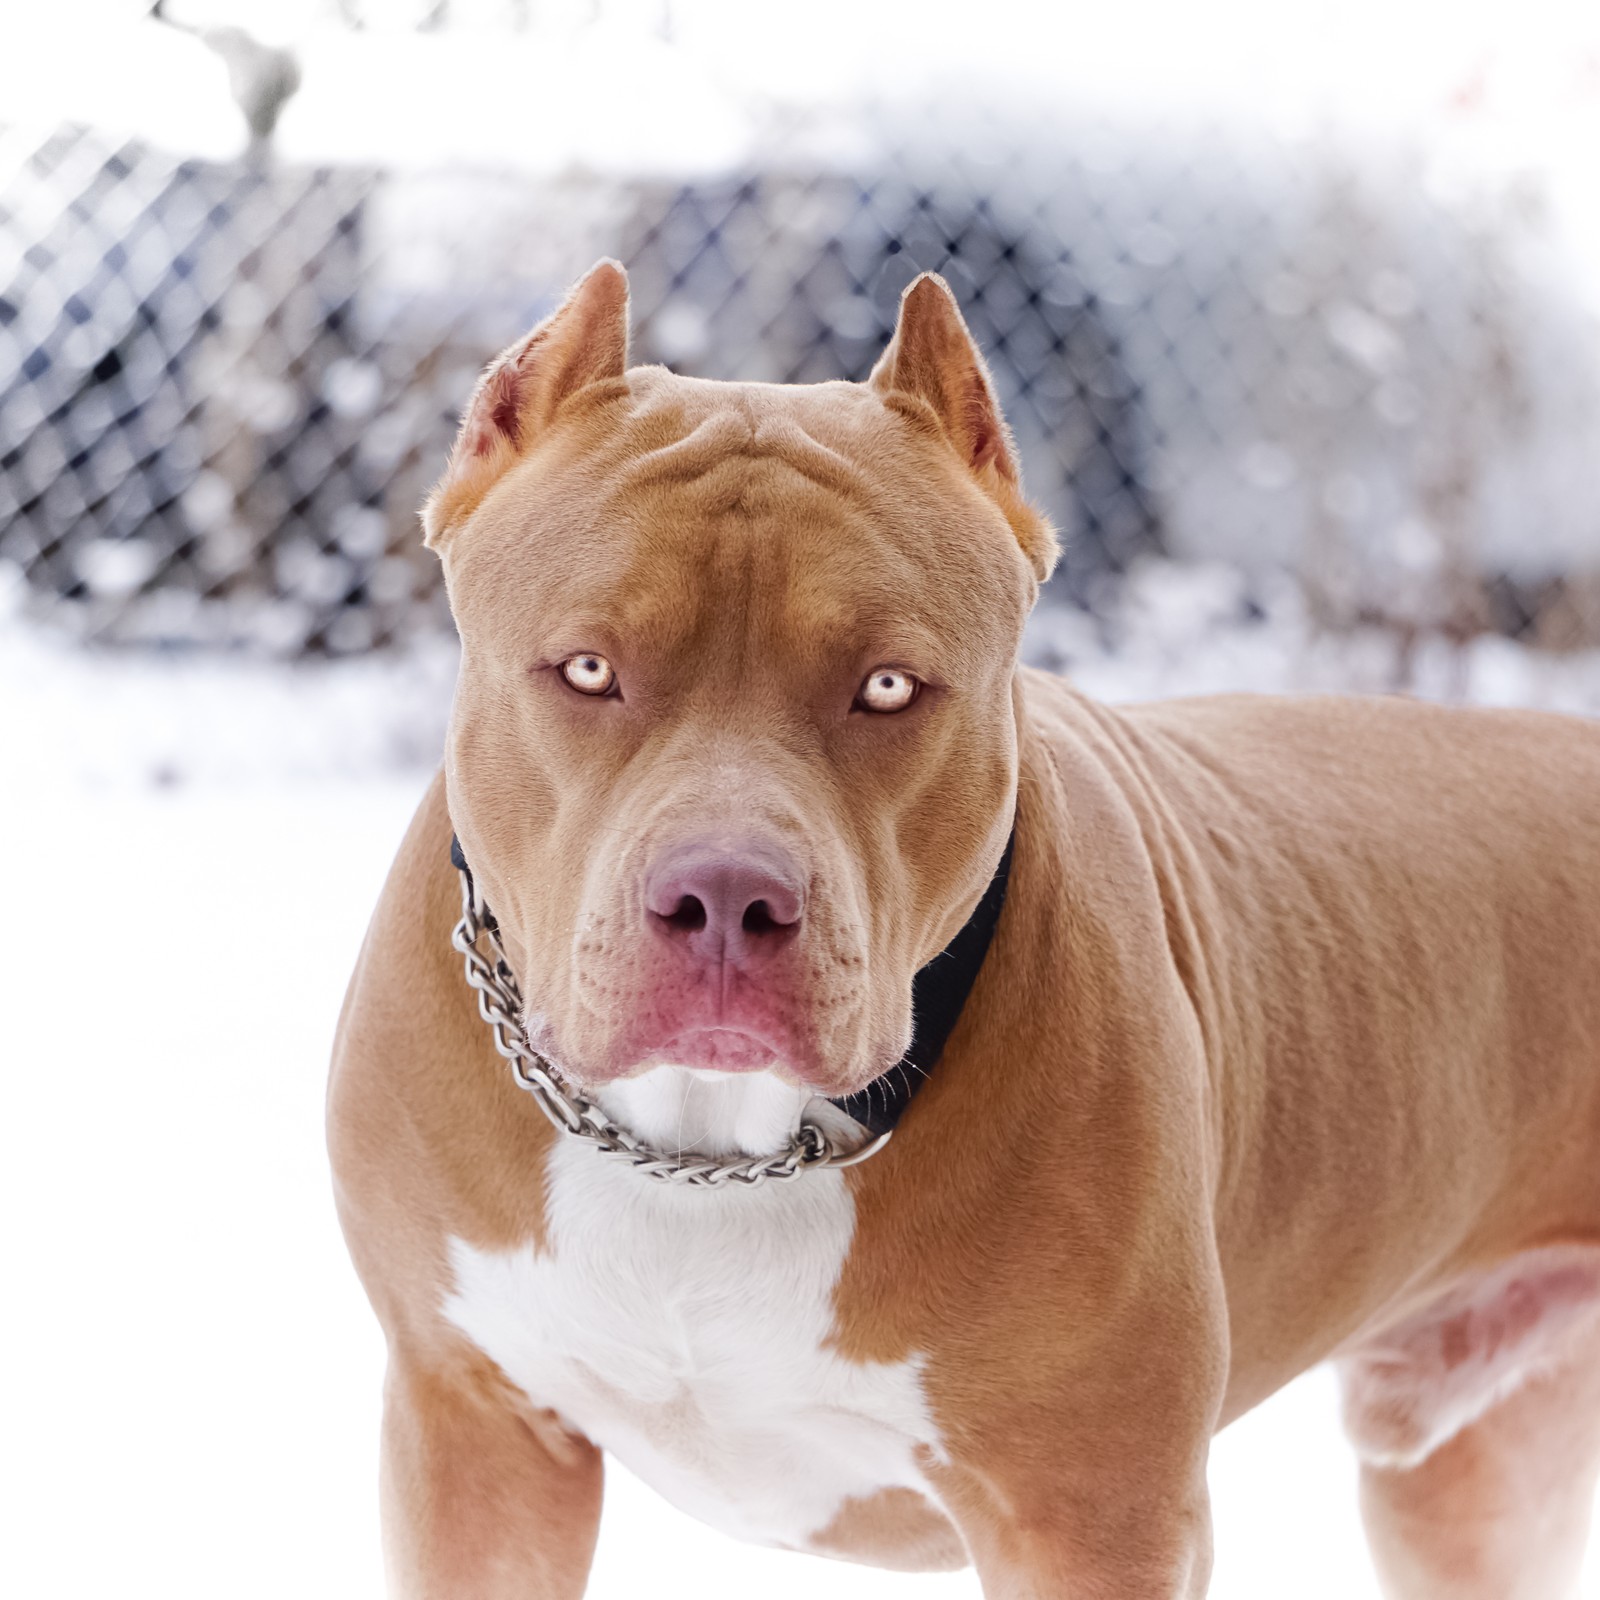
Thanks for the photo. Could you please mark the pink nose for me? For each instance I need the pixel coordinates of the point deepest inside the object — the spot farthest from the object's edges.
(723, 903)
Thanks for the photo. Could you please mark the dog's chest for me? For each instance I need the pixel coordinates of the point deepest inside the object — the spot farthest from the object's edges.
(690, 1333)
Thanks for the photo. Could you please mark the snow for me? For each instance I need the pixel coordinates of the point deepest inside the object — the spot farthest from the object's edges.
(190, 1392)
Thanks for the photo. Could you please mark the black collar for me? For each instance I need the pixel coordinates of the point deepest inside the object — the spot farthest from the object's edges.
(938, 994)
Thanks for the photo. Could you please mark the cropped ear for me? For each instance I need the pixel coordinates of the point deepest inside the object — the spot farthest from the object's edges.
(585, 341)
(932, 359)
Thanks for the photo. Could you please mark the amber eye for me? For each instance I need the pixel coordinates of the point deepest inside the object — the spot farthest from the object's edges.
(589, 674)
(887, 689)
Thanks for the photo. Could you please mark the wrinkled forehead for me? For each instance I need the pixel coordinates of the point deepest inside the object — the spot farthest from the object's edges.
(814, 513)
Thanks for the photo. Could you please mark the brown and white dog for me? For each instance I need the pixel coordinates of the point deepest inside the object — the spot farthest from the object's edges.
(1286, 1048)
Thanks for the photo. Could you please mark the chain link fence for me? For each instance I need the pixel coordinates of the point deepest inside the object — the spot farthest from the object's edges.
(225, 387)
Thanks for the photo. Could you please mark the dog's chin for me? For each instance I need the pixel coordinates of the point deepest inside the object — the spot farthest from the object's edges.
(715, 1092)
(718, 1050)
(711, 1055)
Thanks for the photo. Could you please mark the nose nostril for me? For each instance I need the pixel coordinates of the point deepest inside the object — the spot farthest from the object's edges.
(722, 905)
(689, 914)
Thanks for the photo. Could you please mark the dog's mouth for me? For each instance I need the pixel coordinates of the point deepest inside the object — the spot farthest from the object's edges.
(757, 1034)
(715, 1092)
(712, 1051)
(717, 1050)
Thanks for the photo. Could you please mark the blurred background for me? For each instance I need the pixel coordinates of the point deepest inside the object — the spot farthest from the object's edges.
(1295, 311)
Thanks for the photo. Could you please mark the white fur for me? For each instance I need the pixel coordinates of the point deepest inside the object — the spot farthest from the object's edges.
(683, 1109)
(689, 1331)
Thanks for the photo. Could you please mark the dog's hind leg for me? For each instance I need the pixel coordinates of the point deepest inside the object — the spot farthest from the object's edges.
(1478, 1424)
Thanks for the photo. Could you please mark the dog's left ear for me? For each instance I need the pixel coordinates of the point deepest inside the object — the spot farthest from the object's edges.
(582, 343)
(932, 359)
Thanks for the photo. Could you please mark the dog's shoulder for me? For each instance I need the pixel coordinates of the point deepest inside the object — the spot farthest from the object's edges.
(421, 1110)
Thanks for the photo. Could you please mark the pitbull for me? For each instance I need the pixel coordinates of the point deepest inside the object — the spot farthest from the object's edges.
(1282, 1046)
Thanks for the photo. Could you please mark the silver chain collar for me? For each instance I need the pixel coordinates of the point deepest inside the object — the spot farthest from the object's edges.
(500, 1005)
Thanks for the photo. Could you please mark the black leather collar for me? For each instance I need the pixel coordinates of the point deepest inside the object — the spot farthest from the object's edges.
(938, 995)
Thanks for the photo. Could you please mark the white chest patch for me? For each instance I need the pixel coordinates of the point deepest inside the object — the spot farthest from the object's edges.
(688, 1332)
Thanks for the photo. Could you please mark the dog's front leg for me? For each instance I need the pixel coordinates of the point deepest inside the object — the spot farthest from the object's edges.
(1084, 1548)
(1076, 1469)
(483, 1499)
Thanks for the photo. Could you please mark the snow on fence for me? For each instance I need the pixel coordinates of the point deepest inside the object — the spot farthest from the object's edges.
(225, 386)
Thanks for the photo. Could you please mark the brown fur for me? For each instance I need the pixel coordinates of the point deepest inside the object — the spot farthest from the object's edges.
(1292, 1020)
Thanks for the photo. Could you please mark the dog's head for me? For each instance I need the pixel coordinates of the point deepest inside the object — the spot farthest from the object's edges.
(734, 746)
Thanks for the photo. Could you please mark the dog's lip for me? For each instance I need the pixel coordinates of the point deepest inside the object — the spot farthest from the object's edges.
(763, 1057)
(719, 1049)
(752, 1050)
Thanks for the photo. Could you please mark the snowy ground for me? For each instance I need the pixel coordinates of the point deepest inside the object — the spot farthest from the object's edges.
(190, 1376)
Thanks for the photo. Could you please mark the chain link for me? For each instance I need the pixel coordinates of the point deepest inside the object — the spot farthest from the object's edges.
(500, 1005)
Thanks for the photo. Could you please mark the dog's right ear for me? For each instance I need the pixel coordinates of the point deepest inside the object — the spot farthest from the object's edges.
(584, 342)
